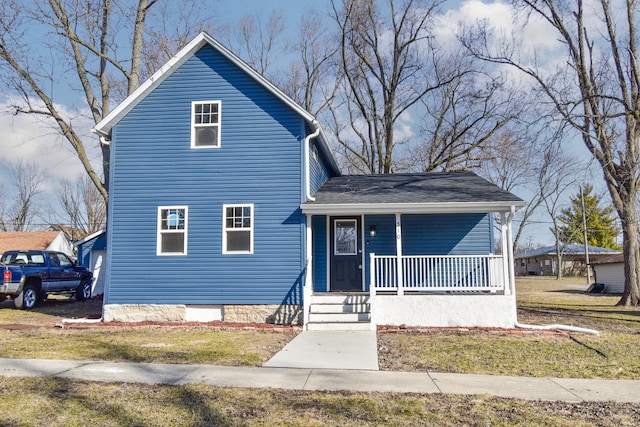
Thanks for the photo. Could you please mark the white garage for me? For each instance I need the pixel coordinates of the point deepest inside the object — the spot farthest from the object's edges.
(610, 272)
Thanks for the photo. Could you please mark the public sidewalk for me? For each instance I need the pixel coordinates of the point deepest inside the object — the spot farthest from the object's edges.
(549, 389)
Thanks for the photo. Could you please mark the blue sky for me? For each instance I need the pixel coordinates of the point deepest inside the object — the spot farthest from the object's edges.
(29, 138)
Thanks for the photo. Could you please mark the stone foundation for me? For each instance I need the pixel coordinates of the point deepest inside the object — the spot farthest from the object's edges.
(144, 313)
(278, 314)
(290, 314)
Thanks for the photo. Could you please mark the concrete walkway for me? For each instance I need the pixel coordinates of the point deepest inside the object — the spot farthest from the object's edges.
(347, 350)
(549, 389)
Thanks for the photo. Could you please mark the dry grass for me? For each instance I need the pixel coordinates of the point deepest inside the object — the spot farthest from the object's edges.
(615, 353)
(33, 334)
(62, 402)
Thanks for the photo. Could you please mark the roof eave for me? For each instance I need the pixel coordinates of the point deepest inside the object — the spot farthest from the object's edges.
(105, 125)
(409, 208)
(89, 237)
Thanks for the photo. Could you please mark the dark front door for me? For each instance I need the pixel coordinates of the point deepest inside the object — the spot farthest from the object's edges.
(346, 254)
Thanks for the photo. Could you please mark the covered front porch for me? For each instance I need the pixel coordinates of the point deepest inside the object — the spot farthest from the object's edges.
(420, 263)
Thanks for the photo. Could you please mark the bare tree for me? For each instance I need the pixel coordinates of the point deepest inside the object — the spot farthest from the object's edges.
(463, 116)
(513, 162)
(557, 175)
(311, 81)
(20, 207)
(386, 61)
(528, 160)
(597, 91)
(172, 25)
(258, 41)
(95, 46)
(80, 210)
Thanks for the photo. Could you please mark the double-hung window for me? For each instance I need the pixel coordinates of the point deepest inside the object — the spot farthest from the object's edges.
(205, 124)
(237, 236)
(172, 230)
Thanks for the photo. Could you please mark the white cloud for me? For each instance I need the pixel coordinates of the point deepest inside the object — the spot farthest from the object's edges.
(535, 36)
(34, 138)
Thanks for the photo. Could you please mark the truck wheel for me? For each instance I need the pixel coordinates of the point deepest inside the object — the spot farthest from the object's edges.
(27, 298)
(84, 291)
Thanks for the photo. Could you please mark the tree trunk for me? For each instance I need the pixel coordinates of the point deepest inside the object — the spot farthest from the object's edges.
(631, 295)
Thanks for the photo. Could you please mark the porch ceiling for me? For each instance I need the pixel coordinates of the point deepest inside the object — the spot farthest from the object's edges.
(447, 192)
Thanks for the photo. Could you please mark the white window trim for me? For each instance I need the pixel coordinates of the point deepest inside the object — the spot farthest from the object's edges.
(194, 126)
(160, 231)
(224, 228)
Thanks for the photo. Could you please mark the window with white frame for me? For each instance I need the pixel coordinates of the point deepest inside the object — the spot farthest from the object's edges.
(172, 230)
(237, 236)
(205, 124)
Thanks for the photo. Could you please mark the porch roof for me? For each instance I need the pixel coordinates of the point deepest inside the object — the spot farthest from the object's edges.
(443, 192)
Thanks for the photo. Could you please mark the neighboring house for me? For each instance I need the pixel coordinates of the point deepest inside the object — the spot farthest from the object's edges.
(609, 271)
(226, 203)
(92, 253)
(49, 240)
(544, 261)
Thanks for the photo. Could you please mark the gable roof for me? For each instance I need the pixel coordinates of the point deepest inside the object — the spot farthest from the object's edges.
(103, 128)
(10, 240)
(89, 238)
(570, 249)
(411, 193)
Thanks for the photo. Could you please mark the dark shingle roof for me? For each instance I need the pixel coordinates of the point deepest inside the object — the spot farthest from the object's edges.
(445, 187)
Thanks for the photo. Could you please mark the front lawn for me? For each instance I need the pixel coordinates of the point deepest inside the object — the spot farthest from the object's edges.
(615, 353)
(63, 402)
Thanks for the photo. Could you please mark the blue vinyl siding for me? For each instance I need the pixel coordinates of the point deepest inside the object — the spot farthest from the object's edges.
(319, 224)
(84, 250)
(259, 162)
(447, 234)
(319, 169)
(428, 234)
(383, 243)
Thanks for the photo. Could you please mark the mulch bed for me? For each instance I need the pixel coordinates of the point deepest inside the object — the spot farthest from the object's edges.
(217, 325)
(267, 327)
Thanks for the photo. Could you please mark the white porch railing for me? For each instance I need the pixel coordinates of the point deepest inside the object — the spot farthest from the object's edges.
(445, 273)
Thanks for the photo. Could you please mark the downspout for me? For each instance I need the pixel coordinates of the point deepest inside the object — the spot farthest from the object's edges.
(308, 282)
(307, 165)
(512, 284)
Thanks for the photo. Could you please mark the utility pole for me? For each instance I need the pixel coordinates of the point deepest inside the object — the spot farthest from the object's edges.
(586, 245)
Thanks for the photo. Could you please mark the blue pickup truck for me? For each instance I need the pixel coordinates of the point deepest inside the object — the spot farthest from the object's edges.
(30, 276)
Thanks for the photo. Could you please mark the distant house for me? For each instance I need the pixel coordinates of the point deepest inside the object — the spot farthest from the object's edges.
(544, 262)
(609, 271)
(49, 240)
(92, 253)
(226, 203)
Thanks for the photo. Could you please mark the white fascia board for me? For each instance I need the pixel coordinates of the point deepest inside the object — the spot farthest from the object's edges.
(89, 237)
(104, 127)
(408, 208)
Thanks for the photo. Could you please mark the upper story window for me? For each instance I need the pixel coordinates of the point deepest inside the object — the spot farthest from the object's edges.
(205, 124)
(172, 230)
(238, 229)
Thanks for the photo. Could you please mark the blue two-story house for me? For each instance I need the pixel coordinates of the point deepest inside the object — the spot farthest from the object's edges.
(226, 203)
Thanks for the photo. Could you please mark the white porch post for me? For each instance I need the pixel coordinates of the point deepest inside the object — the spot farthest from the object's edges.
(372, 291)
(399, 275)
(506, 244)
(307, 288)
(512, 280)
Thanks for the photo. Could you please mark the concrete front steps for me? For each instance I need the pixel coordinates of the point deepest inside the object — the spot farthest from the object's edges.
(339, 312)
